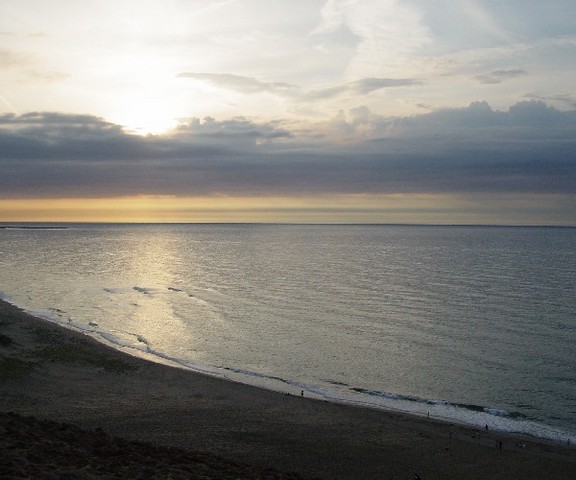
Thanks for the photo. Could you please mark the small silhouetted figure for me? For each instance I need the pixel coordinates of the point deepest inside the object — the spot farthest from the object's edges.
(486, 427)
(301, 393)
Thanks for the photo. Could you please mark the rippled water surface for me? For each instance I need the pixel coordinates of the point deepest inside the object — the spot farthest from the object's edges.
(475, 324)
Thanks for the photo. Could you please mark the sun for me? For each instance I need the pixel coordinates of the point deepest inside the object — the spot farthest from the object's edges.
(146, 117)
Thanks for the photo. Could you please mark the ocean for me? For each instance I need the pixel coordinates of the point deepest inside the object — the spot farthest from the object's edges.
(467, 324)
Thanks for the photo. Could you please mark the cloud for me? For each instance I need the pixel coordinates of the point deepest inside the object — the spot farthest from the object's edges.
(48, 135)
(22, 66)
(248, 85)
(9, 59)
(563, 99)
(368, 85)
(485, 19)
(529, 148)
(239, 83)
(499, 76)
(332, 17)
(391, 35)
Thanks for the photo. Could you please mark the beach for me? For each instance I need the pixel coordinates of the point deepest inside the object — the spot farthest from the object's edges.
(165, 415)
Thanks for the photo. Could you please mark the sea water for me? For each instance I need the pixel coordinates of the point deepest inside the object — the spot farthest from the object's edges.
(463, 323)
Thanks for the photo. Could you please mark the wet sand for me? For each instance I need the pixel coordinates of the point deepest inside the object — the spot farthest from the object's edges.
(237, 431)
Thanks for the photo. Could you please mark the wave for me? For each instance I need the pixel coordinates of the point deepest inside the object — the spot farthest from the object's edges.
(499, 419)
(144, 290)
(479, 416)
(496, 412)
(473, 415)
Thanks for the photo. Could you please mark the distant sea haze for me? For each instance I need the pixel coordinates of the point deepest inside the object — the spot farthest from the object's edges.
(466, 324)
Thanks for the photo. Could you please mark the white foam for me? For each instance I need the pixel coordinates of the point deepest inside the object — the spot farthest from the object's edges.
(496, 419)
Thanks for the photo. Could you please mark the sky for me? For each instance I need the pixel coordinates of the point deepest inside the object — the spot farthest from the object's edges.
(315, 111)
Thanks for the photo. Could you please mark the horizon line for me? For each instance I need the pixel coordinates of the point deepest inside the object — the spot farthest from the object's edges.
(53, 224)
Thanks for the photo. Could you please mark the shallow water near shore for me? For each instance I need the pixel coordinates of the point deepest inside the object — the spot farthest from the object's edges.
(466, 324)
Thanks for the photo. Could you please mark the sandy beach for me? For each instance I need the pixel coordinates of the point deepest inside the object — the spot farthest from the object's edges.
(123, 417)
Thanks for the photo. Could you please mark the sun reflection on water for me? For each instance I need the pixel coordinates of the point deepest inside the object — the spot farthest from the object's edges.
(154, 292)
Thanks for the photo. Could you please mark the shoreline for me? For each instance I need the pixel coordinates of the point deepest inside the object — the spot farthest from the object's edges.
(479, 416)
(60, 374)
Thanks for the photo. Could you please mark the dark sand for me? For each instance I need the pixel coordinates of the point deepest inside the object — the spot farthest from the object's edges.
(188, 425)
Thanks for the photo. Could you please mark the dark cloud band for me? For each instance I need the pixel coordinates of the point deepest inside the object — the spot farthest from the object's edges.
(530, 148)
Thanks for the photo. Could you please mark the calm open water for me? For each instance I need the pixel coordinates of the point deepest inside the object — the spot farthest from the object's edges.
(471, 324)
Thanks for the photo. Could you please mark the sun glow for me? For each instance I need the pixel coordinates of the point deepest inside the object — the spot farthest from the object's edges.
(364, 208)
(144, 118)
(225, 209)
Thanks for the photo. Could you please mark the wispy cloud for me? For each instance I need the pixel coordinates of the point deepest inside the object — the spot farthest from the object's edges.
(485, 19)
(368, 85)
(499, 76)
(240, 83)
(9, 59)
(249, 85)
